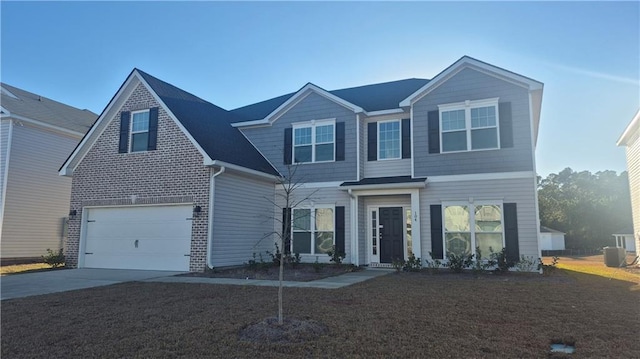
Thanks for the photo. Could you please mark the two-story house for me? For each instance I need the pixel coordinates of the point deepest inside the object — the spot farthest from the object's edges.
(166, 180)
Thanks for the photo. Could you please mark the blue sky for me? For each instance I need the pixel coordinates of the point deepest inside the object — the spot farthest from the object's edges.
(586, 53)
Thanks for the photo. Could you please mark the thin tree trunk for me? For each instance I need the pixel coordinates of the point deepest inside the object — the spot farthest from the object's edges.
(280, 276)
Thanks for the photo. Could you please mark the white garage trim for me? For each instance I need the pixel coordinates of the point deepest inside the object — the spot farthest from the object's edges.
(151, 237)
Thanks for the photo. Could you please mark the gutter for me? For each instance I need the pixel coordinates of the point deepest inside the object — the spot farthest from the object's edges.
(212, 188)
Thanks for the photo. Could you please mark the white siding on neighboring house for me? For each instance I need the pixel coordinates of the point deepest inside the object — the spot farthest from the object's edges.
(5, 126)
(241, 219)
(37, 199)
(633, 166)
(551, 241)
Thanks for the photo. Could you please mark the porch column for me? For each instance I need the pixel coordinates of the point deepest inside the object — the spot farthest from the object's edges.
(416, 245)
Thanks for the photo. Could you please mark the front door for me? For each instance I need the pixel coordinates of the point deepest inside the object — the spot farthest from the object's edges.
(391, 234)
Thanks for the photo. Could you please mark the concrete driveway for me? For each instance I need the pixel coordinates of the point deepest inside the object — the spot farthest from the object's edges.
(28, 284)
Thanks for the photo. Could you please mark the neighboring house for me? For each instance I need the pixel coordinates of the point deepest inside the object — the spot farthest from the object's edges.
(166, 180)
(36, 136)
(624, 238)
(631, 140)
(551, 239)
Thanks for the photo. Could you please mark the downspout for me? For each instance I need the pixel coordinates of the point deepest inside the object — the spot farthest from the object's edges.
(354, 227)
(212, 189)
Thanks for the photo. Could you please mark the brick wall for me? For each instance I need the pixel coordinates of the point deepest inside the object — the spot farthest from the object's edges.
(173, 173)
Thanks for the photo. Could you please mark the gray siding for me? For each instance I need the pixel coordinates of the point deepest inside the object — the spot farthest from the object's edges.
(37, 198)
(269, 140)
(383, 168)
(321, 196)
(519, 191)
(241, 219)
(633, 166)
(470, 84)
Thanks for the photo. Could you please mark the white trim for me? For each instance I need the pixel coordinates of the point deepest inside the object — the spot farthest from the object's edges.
(535, 179)
(334, 184)
(4, 112)
(45, 125)
(385, 186)
(5, 180)
(357, 145)
(305, 91)
(482, 176)
(241, 169)
(384, 112)
(312, 219)
(212, 191)
(353, 222)
(5, 91)
(471, 204)
(468, 62)
(630, 130)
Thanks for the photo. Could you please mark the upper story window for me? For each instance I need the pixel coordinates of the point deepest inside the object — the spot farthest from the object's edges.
(469, 126)
(314, 141)
(139, 131)
(389, 143)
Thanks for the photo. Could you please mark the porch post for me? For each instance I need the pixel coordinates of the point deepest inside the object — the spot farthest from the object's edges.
(416, 245)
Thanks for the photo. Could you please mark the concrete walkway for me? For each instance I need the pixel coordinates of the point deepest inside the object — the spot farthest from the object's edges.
(29, 284)
(339, 281)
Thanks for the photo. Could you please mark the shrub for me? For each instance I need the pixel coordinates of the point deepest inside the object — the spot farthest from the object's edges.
(503, 264)
(398, 264)
(413, 264)
(457, 263)
(53, 259)
(335, 255)
(433, 265)
(548, 269)
(317, 266)
(526, 264)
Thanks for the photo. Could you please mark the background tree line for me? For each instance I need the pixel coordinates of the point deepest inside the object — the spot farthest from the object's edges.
(588, 207)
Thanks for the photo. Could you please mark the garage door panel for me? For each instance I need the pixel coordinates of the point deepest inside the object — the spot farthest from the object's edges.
(144, 237)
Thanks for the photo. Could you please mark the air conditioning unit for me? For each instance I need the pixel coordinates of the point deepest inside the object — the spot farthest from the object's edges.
(615, 257)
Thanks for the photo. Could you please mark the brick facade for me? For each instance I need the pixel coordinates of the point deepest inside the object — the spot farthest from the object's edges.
(173, 173)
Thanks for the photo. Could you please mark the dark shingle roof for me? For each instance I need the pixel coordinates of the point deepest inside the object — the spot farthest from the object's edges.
(376, 97)
(210, 126)
(40, 108)
(383, 180)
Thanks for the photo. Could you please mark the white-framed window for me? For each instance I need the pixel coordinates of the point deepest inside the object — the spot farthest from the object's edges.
(389, 142)
(139, 131)
(314, 141)
(469, 126)
(313, 229)
(468, 226)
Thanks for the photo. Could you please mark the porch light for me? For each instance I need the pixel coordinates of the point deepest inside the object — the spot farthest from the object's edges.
(196, 210)
(72, 214)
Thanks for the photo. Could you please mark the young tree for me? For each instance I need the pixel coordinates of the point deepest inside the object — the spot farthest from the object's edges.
(286, 198)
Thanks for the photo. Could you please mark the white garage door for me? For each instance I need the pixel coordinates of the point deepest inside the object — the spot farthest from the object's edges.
(146, 237)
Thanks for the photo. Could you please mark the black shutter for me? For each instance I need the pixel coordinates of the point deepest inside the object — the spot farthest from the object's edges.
(287, 146)
(511, 232)
(406, 138)
(124, 132)
(436, 232)
(339, 141)
(372, 141)
(286, 229)
(153, 129)
(340, 248)
(434, 131)
(506, 125)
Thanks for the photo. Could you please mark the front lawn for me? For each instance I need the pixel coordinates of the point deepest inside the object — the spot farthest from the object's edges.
(400, 315)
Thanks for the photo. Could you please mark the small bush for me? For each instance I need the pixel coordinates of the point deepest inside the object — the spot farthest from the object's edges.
(548, 269)
(335, 256)
(317, 266)
(53, 259)
(503, 264)
(457, 263)
(526, 264)
(413, 264)
(398, 264)
(433, 265)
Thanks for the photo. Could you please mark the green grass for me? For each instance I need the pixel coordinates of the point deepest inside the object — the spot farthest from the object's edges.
(595, 265)
(401, 315)
(23, 268)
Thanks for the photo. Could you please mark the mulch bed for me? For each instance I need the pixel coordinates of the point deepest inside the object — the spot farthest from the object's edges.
(301, 273)
(291, 331)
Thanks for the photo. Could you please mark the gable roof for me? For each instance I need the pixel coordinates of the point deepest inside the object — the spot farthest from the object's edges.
(630, 131)
(210, 126)
(544, 229)
(25, 105)
(375, 97)
(205, 124)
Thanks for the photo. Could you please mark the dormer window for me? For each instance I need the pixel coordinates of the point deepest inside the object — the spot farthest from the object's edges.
(139, 131)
